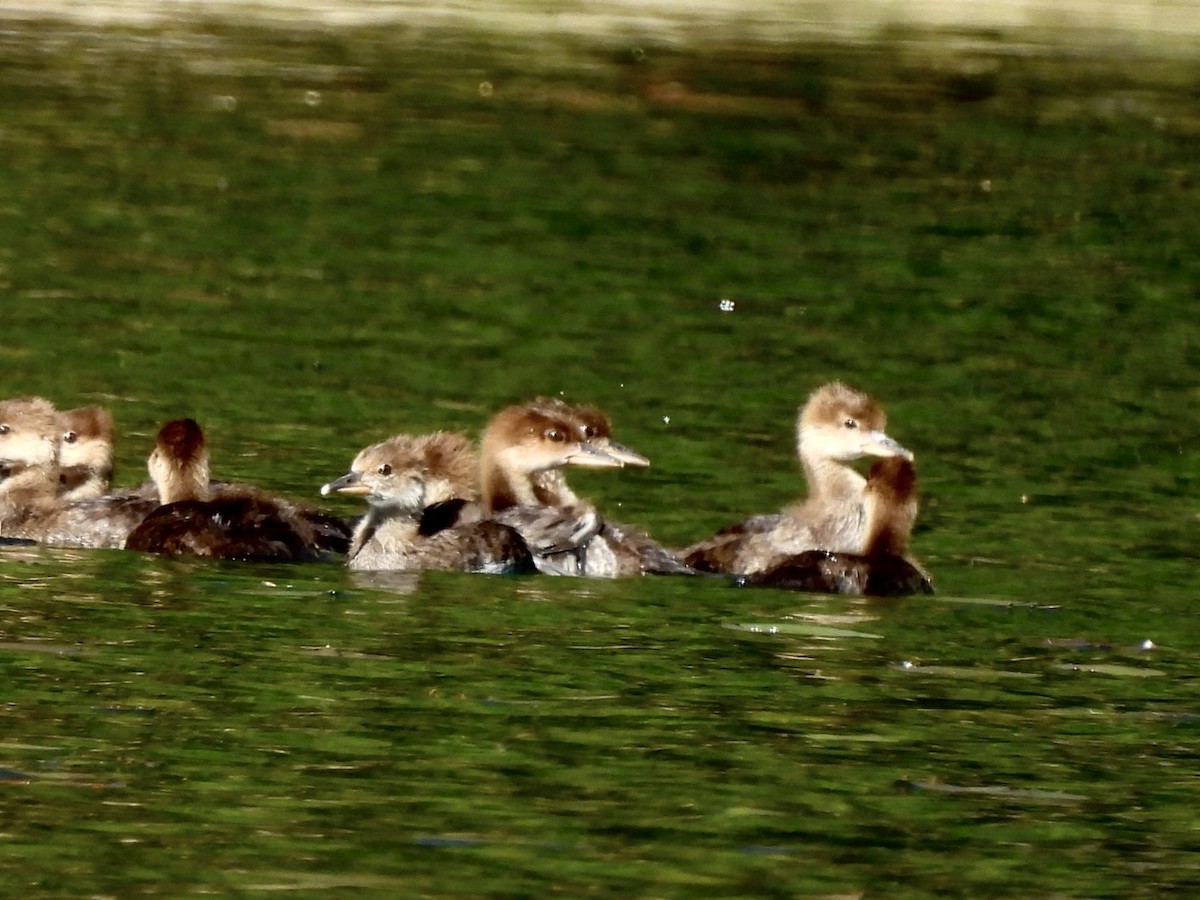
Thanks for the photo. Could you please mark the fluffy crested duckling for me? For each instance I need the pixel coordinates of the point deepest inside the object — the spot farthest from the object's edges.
(29, 446)
(85, 460)
(30, 505)
(422, 514)
(836, 425)
(524, 452)
(231, 522)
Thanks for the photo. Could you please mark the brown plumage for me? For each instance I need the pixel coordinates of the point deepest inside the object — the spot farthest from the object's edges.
(30, 505)
(836, 425)
(227, 523)
(524, 452)
(422, 512)
(85, 462)
(29, 446)
(884, 568)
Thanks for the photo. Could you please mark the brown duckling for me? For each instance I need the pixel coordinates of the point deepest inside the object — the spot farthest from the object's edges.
(30, 505)
(85, 460)
(524, 452)
(836, 425)
(884, 568)
(422, 513)
(229, 523)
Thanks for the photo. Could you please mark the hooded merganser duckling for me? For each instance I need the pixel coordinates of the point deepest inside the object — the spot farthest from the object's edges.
(231, 523)
(836, 425)
(524, 451)
(85, 459)
(421, 492)
(29, 446)
(30, 505)
(884, 568)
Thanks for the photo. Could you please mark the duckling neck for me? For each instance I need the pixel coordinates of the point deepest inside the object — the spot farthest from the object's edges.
(550, 488)
(503, 487)
(384, 529)
(83, 482)
(885, 540)
(30, 495)
(888, 527)
(830, 481)
(190, 484)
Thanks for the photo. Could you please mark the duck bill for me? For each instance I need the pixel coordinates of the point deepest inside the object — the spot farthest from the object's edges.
(350, 483)
(622, 454)
(879, 444)
(605, 454)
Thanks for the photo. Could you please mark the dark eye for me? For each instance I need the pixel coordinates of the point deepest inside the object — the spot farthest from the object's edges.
(851, 423)
(384, 469)
(5, 428)
(70, 437)
(589, 432)
(553, 434)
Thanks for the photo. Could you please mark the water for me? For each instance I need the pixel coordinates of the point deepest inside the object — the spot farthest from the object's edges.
(311, 240)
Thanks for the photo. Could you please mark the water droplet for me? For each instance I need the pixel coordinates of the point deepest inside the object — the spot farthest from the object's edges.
(726, 305)
(1147, 644)
(224, 103)
(666, 420)
(486, 89)
(312, 98)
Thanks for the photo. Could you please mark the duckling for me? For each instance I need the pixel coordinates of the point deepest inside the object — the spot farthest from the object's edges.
(836, 425)
(524, 451)
(85, 460)
(423, 515)
(29, 447)
(232, 523)
(884, 568)
(30, 505)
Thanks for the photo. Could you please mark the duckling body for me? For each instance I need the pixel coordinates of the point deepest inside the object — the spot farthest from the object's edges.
(884, 568)
(524, 452)
(229, 523)
(837, 424)
(422, 513)
(30, 504)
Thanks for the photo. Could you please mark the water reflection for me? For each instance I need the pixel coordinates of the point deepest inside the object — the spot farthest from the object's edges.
(400, 583)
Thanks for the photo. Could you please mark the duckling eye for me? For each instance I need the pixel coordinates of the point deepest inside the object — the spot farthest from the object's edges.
(5, 428)
(384, 469)
(553, 434)
(589, 432)
(851, 423)
(70, 437)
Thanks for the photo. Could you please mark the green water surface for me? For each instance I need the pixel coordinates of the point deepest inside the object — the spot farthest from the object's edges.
(309, 240)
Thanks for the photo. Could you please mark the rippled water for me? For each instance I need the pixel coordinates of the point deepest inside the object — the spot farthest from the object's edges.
(309, 241)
